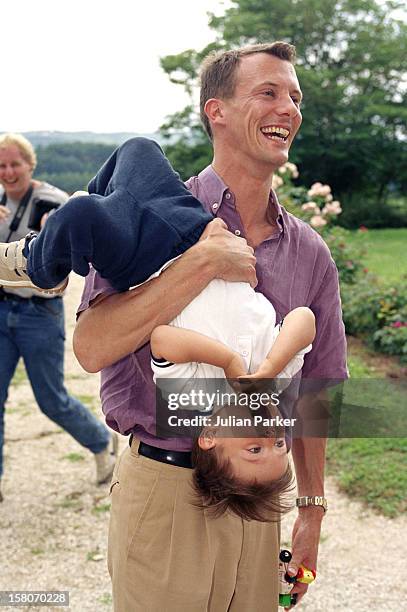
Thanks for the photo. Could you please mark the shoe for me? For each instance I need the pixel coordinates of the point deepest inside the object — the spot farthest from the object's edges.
(106, 460)
(13, 268)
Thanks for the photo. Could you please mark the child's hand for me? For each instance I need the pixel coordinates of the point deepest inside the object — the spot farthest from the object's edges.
(265, 370)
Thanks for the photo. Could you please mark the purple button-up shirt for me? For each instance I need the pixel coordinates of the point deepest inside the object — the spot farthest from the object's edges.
(294, 268)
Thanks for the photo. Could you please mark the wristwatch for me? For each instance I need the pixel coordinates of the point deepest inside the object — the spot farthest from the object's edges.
(316, 500)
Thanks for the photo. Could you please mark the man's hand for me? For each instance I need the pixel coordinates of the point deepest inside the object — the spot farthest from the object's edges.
(4, 213)
(305, 541)
(234, 258)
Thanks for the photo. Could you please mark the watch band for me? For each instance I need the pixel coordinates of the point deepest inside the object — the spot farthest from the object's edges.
(315, 500)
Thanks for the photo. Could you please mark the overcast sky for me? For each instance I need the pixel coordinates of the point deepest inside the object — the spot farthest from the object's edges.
(94, 64)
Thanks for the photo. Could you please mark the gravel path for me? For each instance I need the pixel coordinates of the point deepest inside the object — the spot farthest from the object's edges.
(54, 519)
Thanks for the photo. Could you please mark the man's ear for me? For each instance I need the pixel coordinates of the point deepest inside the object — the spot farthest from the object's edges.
(214, 110)
(207, 439)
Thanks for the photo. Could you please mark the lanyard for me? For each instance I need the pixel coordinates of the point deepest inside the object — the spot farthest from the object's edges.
(20, 210)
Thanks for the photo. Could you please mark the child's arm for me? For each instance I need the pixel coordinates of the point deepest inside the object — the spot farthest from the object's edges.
(297, 331)
(183, 345)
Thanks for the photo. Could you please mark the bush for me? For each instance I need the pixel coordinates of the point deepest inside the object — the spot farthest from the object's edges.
(392, 337)
(348, 258)
(317, 207)
(365, 209)
(360, 304)
(392, 340)
(372, 310)
(378, 313)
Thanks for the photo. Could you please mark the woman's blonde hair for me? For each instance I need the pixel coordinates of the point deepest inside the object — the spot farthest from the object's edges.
(24, 145)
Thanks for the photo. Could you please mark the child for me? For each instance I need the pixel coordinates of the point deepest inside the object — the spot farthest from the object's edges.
(138, 216)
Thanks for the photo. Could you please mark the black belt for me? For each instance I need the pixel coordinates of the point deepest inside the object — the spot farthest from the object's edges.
(172, 457)
(13, 297)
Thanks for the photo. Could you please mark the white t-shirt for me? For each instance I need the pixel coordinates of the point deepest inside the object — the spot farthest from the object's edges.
(237, 316)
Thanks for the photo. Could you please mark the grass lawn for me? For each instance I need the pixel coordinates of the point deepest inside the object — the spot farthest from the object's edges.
(373, 470)
(385, 251)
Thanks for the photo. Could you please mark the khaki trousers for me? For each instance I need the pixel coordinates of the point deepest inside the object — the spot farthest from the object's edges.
(165, 555)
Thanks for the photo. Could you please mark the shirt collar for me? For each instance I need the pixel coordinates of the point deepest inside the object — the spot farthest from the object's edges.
(215, 190)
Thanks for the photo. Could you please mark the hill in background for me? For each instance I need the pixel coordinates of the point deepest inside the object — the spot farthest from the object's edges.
(69, 160)
(116, 138)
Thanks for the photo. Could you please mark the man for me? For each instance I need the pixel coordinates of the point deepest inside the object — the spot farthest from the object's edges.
(32, 324)
(163, 552)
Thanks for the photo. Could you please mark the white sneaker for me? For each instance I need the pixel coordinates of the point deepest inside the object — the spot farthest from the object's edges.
(106, 460)
(13, 268)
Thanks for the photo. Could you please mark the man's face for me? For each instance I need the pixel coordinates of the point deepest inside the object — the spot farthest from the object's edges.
(263, 116)
(263, 459)
(15, 171)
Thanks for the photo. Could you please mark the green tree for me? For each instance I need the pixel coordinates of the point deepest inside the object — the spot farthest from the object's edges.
(71, 165)
(351, 56)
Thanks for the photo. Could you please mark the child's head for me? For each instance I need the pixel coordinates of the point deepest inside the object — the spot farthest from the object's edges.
(247, 476)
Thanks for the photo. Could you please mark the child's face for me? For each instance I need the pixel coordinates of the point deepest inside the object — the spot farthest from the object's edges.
(263, 459)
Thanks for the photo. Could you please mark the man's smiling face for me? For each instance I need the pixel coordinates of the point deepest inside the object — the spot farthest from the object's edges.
(263, 116)
(15, 171)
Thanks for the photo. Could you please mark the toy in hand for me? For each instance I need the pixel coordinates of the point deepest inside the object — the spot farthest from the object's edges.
(286, 582)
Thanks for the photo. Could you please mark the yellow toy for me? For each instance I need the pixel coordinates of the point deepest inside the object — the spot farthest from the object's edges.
(304, 575)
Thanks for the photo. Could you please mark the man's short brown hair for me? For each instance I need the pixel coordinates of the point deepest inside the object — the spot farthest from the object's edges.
(218, 71)
(217, 489)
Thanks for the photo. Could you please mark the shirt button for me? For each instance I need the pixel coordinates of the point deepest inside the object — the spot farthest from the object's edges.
(215, 205)
(228, 196)
(237, 232)
(245, 353)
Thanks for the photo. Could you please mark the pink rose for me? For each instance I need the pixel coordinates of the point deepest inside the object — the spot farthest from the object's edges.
(317, 221)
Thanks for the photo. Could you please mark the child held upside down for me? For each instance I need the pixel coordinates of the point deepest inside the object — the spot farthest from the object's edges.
(138, 216)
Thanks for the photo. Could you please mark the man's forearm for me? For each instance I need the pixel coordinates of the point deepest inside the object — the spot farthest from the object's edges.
(309, 460)
(309, 452)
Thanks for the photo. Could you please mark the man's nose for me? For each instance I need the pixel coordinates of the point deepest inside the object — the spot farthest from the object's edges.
(287, 107)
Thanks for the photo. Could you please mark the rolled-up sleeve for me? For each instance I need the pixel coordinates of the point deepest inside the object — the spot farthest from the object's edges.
(95, 285)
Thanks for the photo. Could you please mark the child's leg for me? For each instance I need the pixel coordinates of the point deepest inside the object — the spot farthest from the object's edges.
(297, 332)
(144, 217)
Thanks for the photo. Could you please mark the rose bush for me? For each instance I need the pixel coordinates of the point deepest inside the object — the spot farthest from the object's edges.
(372, 310)
(369, 305)
(391, 338)
(317, 207)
